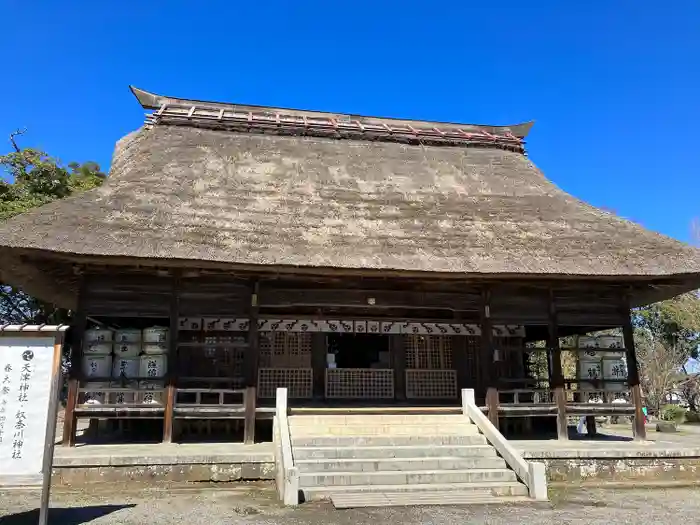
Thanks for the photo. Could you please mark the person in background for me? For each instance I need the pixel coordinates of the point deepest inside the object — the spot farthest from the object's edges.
(595, 398)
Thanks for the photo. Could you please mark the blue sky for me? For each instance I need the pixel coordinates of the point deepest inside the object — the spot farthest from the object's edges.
(612, 85)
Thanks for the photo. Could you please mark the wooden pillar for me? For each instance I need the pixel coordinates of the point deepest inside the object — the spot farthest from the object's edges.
(459, 359)
(74, 373)
(398, 362)
(252, 358)
(319, 349)
(487, 365)
(171, 387)
(556, 375)
(639, 429)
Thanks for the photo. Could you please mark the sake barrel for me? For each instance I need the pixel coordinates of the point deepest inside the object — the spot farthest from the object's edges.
(153, 366)
(98, 341)
(127, 335)
(151, 398)
(95, 348)
(97, 365)
(124, 398)
(155, 334)
(98, 335)
(586, 341)
(125, 367)
(615, 369)
(95, 396)
(590, 369)
(127, 349)
(612, 342)
(154, 348)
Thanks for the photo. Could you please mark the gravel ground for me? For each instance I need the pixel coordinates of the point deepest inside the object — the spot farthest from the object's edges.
(256, 505)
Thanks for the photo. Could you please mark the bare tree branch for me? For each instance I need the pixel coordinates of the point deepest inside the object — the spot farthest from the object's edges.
(14, 134)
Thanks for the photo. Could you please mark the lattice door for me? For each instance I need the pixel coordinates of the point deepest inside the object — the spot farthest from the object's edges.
(285, 350)
(428, 352)
(212, 357)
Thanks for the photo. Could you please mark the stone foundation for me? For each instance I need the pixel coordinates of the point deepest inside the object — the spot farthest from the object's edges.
(620, 466)
(182, 473)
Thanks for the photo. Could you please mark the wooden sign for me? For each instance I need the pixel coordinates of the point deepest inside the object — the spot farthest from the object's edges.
(30, 370)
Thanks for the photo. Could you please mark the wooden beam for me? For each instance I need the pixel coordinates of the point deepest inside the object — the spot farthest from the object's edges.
(639, 428)
(487, 365)
(398, 361)
(171, 386)
(556, 374)
(252, 358)
(77, 338)
(276, 270)
(319, 349)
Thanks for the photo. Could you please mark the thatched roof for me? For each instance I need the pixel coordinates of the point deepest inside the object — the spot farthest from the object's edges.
(256, 186)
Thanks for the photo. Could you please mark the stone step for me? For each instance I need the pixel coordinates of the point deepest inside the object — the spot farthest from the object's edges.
(386, 441)
(415, 419)
(401, 451)
(409, 477)
(354, 500)
(494, 488)
(385, 430)
(401, 465)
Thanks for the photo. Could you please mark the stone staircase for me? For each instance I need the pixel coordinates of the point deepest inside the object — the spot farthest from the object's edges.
(396, 459)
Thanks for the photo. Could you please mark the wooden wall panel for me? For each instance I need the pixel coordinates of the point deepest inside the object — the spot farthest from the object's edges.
(214, 296)
(588, 308)
(458, 301)
(128, 296)
(513, 305)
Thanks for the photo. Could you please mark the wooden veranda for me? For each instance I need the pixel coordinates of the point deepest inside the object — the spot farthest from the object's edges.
(226, 317)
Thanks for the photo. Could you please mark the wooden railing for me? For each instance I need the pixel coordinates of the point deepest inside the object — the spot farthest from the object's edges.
(135, 402)
(535, 400)
(214, 402)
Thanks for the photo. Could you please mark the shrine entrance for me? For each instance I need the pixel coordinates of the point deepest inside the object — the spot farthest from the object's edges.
(359, 351)
(358, 367)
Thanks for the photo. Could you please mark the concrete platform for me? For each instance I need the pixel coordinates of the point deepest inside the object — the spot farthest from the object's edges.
(614, 456)
(163, 462)
(611, 457)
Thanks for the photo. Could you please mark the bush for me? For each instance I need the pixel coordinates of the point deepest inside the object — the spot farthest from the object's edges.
(692, 417)
(673, 413)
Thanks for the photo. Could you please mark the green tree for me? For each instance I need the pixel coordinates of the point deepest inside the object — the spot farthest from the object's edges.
(34, 179)
(675, 323)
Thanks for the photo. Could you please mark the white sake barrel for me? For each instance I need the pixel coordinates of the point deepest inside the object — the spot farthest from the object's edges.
(154, 348)
(151, 398)
(125, 367)
(612, 342)
(98, 335)
(124, 398)
(615, 369)
(153, 366)
(97, 365)
(155, 334)
(95, 348)
(586, 341)
(95, 396)
(590, 369)
(127, 335)
(127, 349)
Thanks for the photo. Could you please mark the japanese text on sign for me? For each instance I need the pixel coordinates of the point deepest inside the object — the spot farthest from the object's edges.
(25, 374)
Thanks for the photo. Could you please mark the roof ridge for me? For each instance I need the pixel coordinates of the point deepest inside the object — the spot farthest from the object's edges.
(245, 118)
